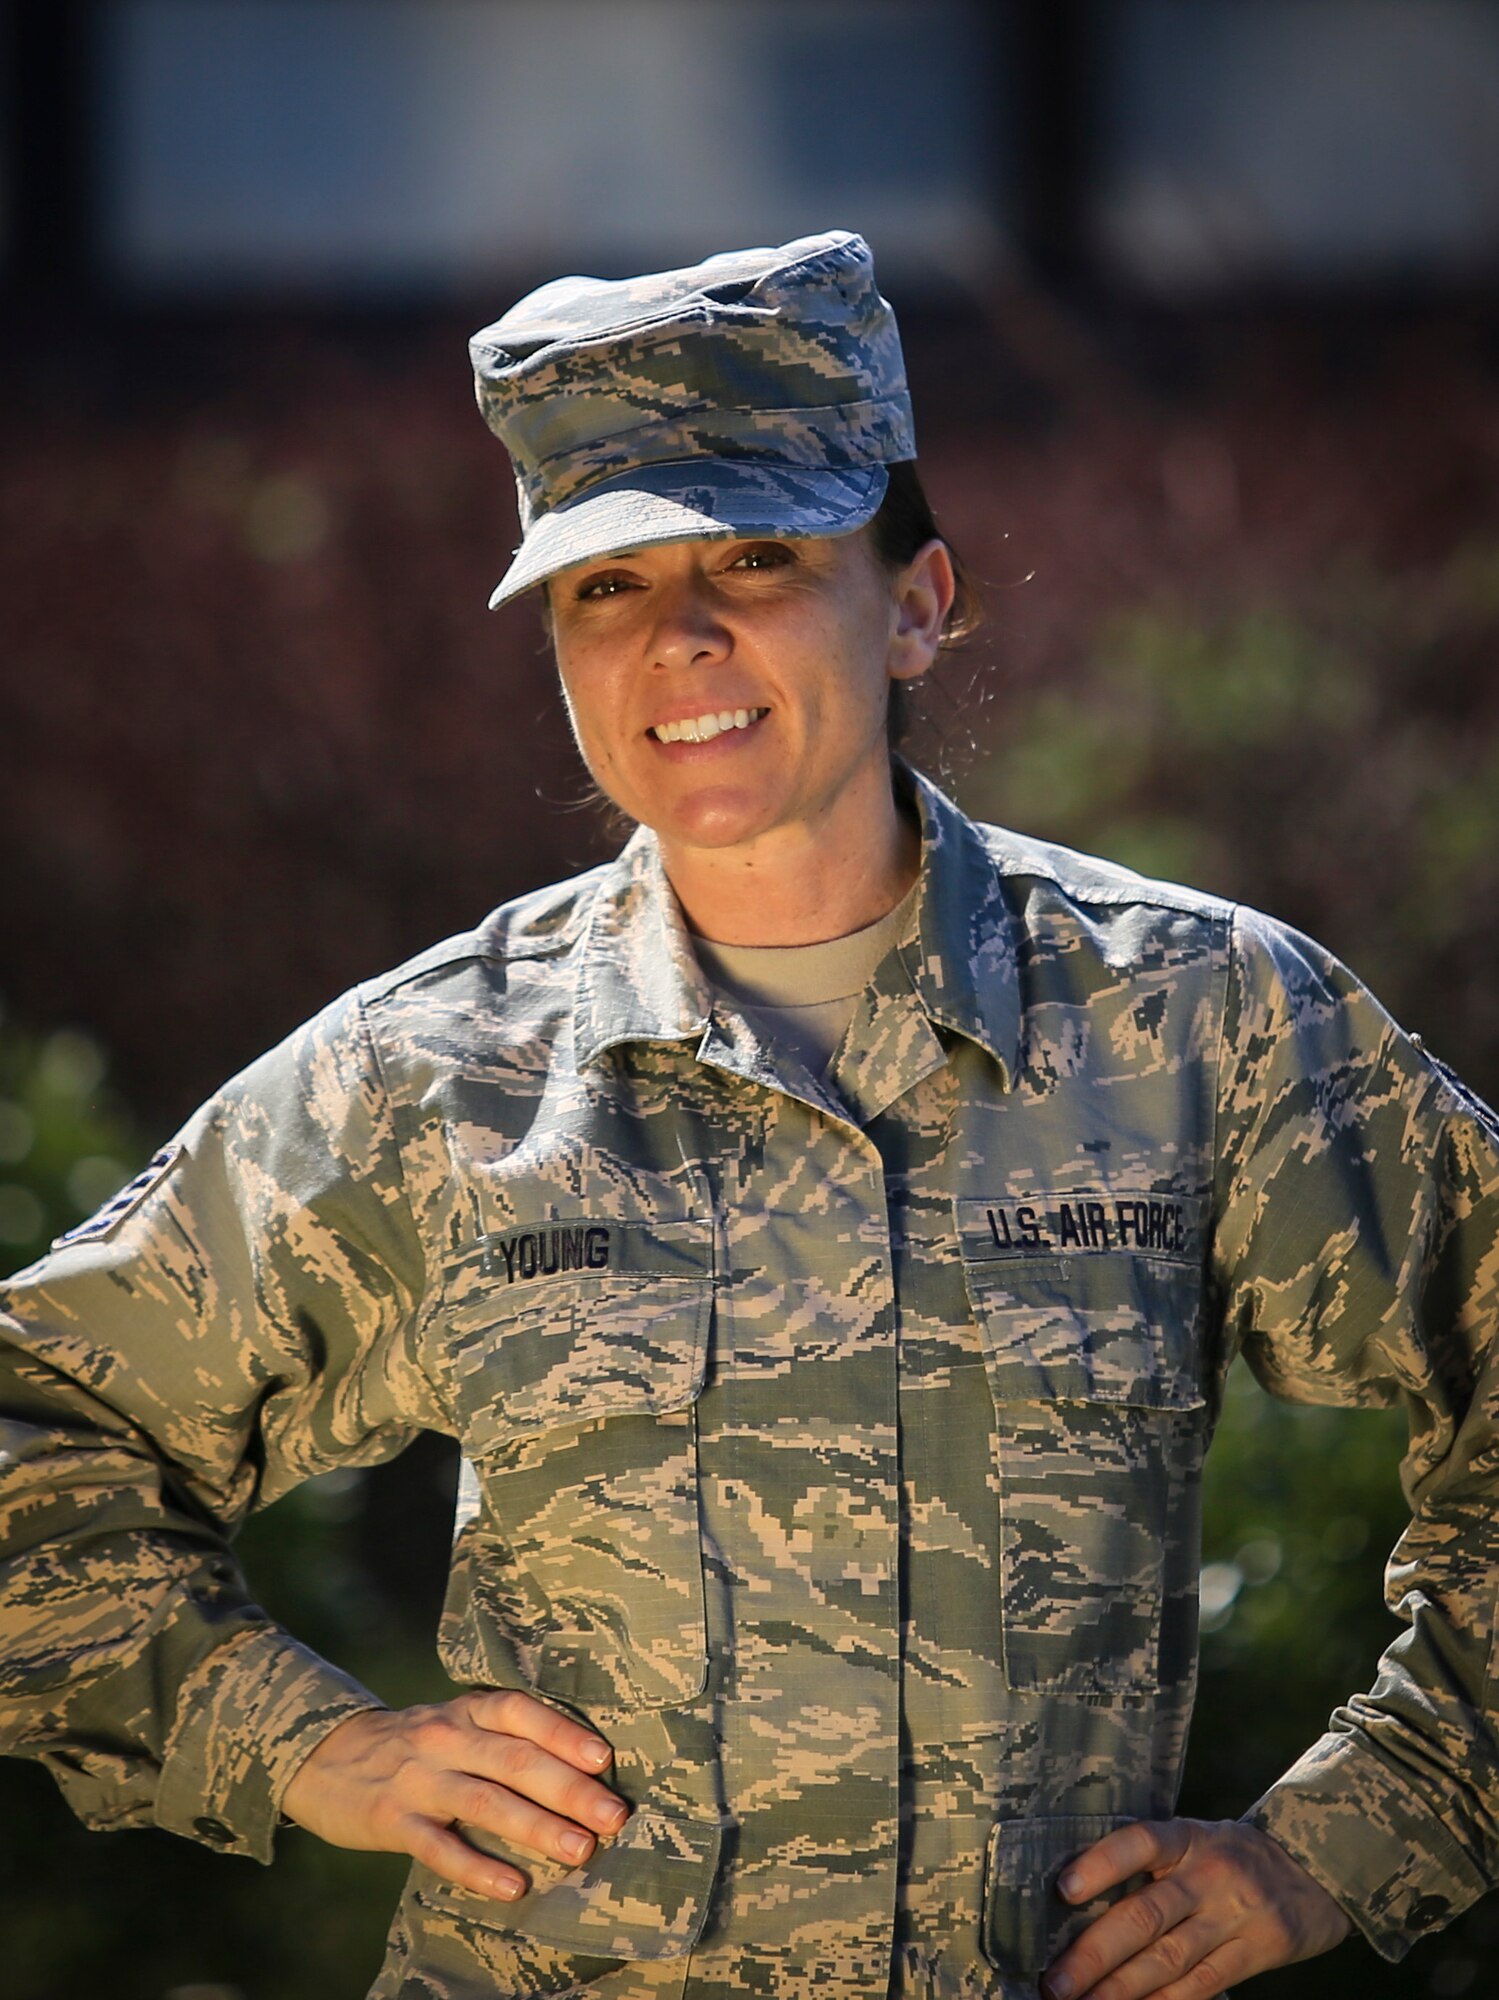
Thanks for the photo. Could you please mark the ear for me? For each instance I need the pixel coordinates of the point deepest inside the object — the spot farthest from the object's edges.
(923, 593)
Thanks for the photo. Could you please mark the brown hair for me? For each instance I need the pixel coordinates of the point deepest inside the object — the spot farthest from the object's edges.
(903, 524)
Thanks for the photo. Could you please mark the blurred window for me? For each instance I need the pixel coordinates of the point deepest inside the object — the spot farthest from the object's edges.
(1297, 139)
(257, 144)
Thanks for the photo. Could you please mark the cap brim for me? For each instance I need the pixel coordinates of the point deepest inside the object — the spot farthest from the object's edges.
(696, 499)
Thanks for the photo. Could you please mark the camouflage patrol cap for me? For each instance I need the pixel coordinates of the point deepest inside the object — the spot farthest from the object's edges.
(761, 392)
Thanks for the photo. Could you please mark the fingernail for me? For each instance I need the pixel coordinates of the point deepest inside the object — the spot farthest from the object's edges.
(1058, 1986)
(576, 1846)
(598, 1754)
(612, 1818)
(508, 1889)
(1070, 1884)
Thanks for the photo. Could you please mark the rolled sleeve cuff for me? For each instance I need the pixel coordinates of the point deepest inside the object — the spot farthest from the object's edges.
(246, 1719)
(1374, 1844)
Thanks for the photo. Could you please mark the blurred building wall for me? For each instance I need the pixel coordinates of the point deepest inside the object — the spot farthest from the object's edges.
(322, 143)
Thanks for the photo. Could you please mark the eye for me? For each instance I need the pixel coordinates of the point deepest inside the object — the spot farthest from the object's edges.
(763, 555)
(604, 583)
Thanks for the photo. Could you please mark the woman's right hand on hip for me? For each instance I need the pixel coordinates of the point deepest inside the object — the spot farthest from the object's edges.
(399, 1780)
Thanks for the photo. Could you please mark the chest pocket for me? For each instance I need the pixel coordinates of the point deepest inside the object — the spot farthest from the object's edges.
(573, 1361)
(1093, 1361)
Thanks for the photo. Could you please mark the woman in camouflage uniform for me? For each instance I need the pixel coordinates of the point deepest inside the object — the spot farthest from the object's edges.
(826, 1228)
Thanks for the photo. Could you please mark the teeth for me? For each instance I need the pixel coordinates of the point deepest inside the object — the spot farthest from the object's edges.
(703, 728)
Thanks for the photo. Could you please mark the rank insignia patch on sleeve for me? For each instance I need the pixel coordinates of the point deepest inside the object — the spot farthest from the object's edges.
(130, 1196)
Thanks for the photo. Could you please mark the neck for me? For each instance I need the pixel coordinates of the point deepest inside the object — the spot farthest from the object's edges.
(800, 884)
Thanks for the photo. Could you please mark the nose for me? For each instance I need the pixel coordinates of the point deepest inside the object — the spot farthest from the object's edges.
(688, 629)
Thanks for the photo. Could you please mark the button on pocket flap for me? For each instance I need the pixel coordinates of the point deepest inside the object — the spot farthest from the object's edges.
(1098, 1325)
(643, 1895)
(565, 1322)
(1028, 1923)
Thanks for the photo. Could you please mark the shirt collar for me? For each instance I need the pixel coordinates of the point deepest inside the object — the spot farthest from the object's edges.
(639, 979)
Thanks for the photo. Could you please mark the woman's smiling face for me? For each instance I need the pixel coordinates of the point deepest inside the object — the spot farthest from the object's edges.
(722, 691)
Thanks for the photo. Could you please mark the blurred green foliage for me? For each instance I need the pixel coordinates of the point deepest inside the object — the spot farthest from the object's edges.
(66, 1141)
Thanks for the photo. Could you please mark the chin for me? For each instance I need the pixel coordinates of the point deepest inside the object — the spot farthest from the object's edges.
(714, 821)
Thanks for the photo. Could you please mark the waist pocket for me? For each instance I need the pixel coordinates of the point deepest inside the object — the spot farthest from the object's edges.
(644, 1895)
(1100, 1428)
(1027, 1922)
(574, 1396)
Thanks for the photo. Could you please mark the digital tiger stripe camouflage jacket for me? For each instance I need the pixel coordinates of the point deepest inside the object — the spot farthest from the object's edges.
(831, 1444)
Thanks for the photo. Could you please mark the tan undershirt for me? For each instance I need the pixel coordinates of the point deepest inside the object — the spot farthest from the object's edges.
(802, 995)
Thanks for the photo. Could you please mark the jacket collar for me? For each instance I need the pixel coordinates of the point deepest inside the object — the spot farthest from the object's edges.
(639, 981)
(962, 950)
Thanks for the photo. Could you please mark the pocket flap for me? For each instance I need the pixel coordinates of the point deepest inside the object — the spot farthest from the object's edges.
(556, 1344)
(645, 1894)
(1105, 1326)
(1027, 1922)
